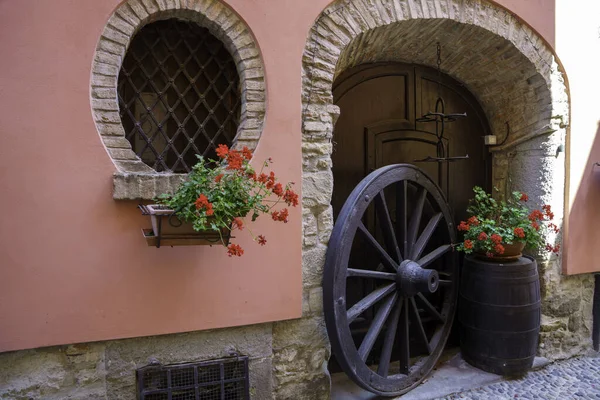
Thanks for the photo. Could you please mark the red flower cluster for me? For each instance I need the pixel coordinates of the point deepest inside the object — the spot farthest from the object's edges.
(218, 178)
(203, 203)
(473, 221)
(235, 158)
(261, 240)
(463, 226)
(496, 239)
(482, 236)
(247, 153)
(291, 198)
(280, 215)
(519, 232)
(234, 250)
(222, 151)
(468, 244)
(237, 223)
(524, 197)
(271, 180)
(555, 249)
(548, 211)
(536, 215)
(278, 189)
(554, 227)
(499, 249)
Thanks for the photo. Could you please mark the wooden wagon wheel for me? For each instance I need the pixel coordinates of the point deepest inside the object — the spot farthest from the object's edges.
(413, 276)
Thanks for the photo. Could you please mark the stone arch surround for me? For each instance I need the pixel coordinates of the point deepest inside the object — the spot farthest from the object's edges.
(516, 78)
(134, 179)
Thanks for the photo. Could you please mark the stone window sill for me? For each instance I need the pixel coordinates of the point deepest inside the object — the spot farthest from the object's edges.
(144, 185)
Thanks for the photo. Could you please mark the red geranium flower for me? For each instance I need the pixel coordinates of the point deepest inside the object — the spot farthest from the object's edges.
(280, 215)
(271, 180)
(482, 236)
(234, 160)
(519, 232)
(262, 178)
(247, 153)
(261, 240)
(535, 226)
(524, 197)
(499, 249)
(468, 244)
(536, 215)
(218, 178)
(201, 202)
(463, 226)
(278, 189)
(291, 198)
(497, 239)
(473, 221)
(237, 223)
(234, 250)
(548, 211)
(222, 151)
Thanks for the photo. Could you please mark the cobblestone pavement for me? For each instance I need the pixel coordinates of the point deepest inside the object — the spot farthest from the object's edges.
(577, 378)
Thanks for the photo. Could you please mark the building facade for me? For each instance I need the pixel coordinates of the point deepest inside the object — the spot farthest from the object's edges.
(84, 302)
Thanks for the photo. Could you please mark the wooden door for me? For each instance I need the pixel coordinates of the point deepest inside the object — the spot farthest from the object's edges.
(380, 104)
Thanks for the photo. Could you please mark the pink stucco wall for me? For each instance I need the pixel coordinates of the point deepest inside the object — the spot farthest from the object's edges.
(73, 264)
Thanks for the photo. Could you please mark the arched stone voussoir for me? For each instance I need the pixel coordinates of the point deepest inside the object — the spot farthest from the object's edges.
(134, 179)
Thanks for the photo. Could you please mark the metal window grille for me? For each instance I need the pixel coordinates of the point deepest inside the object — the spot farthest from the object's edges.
(224, 379)
(179, 95)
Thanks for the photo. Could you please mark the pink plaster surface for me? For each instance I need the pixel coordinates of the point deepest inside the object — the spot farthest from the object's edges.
(73, 264)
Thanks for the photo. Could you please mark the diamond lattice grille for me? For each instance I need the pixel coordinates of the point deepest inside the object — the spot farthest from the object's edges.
(178, 95)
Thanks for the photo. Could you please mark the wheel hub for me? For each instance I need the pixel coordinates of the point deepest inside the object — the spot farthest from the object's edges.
(412, 279)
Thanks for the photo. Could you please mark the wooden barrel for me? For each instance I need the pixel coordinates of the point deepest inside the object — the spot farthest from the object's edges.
(499, 313)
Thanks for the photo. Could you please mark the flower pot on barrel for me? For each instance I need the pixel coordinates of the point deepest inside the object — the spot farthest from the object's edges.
(214, 200)
(499, 304)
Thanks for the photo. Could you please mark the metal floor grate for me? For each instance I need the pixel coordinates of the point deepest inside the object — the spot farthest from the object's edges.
(224, 379)
(179, 95)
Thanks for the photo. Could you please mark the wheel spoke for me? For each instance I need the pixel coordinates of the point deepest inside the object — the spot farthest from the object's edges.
(367, 273)
(425, 236)
(376, 326)
(444, 282)
(388, 341)
(415, 219)
(434, 255)
(383, 214)
(368, 301)
(402, 214)
(404, 341)
(383, 255)
(420, 325)
(430, 308)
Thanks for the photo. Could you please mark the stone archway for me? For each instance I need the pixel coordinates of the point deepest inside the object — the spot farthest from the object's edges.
(516, 79)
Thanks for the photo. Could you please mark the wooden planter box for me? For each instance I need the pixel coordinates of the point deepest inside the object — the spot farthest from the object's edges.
(168, 230)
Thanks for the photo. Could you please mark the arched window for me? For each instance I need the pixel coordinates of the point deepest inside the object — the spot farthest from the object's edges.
(179, 95)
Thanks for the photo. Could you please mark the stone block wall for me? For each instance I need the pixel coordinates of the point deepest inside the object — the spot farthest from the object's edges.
(106, 370)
